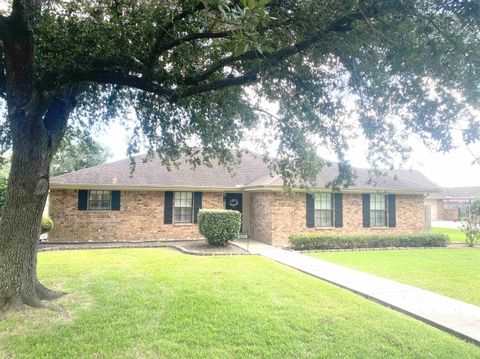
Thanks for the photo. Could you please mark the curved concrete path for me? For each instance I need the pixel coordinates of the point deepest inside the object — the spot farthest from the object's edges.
(454, 316)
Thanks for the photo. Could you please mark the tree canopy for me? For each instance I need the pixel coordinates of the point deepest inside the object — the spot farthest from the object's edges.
(194, 70)
(78, 151)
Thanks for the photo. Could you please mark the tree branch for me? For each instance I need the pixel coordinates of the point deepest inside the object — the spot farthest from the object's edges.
(220, 64)
(198, 84)
(18, 49)
(341, 25)
(218, 85)
(191, 37)
(164, 29)
(58, 112)
(122, 79)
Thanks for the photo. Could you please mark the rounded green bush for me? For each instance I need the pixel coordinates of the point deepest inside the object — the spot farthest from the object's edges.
(219, 226)
(47, 224)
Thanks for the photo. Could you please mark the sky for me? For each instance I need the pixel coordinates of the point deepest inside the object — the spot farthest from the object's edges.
(446, 170)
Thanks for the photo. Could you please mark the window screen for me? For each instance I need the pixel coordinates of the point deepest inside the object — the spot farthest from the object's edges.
(99, 200)
(183, 207)
(323, 210)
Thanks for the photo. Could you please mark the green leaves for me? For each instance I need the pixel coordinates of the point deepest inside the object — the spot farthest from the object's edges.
(188, 74)
(470, 224)
(78, 151)
(219, 226)
(324, 241)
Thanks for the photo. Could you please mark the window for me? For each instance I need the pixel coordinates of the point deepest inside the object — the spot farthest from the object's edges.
(450, 204)
(378, 210)
(183, 207)
(462, 206)
(99, 200)
(323, 210)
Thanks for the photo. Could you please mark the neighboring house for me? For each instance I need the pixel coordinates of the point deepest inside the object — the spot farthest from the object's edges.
(449, 204)
(106, 203)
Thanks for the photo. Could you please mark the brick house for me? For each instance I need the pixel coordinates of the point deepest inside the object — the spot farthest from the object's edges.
(450, 203)
(107, 203)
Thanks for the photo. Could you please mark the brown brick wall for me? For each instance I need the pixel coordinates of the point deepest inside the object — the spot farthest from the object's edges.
(261, 216)
(288, 216)
(273, 217)
(444, 214)
(140, 218)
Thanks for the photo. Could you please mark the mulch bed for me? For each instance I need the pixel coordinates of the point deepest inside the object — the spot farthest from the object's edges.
(197, 247)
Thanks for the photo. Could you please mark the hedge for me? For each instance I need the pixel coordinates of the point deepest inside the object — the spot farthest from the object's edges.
(219, 226)
(311, 241)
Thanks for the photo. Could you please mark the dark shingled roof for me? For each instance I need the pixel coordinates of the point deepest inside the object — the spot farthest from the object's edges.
(252, 173)
(456, 192)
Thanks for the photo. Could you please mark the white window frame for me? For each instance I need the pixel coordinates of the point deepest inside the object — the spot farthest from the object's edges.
(376, 207)
(182, 201)
(323, 204)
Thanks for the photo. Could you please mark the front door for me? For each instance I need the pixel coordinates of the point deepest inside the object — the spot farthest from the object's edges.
(234, 201)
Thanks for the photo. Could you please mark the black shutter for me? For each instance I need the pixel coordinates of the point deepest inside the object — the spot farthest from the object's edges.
(115, 201)
(310, 211)
(197, 204)
(392, 215)
(338, 203)
(168, 208)
(82, 200)
(366, 209)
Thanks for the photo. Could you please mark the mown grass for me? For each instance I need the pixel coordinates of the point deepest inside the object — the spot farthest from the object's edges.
(451, 272)
(157, 303)
(455, 235)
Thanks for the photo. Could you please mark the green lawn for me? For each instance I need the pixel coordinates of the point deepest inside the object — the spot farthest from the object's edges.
(451, 272)
(158, 303)
(455, 235)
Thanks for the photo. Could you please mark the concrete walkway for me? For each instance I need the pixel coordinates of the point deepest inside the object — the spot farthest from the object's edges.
(454, 316)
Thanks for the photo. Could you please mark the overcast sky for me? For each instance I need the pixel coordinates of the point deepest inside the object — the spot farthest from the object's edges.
(452, 169)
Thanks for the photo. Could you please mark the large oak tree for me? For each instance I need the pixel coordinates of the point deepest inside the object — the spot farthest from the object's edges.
(192, 70)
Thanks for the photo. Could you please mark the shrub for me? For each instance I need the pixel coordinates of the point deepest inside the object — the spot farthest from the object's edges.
(47, 224)
(219, 226)
(310, 241)
(471, 224)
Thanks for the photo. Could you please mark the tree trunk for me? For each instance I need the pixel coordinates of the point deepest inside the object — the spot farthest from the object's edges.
(36, 125)
(20, 223)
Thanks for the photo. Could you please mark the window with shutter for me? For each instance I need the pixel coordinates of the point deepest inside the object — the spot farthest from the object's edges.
(99, 200)
(378, 210)
(323, 210)
(183, 207)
